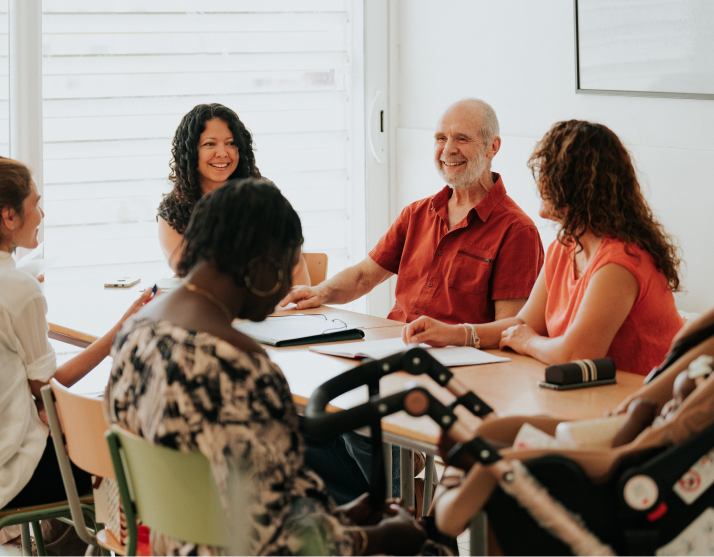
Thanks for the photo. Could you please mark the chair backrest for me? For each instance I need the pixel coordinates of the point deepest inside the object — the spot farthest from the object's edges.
(84, 426)
(316, 267)
(174, 492)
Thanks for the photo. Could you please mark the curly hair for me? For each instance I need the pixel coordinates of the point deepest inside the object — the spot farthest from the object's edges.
(241, 221)
(15, 187)
(587, 178)
(176, 207)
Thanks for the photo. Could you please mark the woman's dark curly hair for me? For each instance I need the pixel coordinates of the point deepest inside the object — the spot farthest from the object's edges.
(241, 221)
(586, 176)
(177, 206)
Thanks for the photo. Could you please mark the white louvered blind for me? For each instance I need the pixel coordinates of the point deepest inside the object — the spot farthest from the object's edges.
(4, 83)
(118, 77)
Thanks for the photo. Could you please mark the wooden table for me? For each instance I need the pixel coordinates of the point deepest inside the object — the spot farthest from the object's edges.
(509, 387)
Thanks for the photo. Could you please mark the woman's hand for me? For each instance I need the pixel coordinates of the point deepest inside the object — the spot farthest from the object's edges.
(360, 513)
(396, 535)
(517, 338)
(41, 412)
(434, 333)
(146, 296)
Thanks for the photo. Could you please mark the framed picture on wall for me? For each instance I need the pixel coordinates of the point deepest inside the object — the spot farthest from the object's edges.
(655, 48)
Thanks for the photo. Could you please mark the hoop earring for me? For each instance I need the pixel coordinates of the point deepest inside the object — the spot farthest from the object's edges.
(264, 293)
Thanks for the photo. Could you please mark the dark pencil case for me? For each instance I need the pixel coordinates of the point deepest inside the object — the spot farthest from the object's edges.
(581, 371)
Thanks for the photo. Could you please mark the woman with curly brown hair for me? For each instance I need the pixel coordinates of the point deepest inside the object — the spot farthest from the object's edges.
(607, 286)
(210, 147)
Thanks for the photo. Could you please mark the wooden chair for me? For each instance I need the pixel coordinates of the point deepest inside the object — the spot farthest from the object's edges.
(316, 267)
(78, 426)
(32, 515)
(173, 492)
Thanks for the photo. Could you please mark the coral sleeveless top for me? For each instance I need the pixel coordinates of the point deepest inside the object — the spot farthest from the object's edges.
(645, 336)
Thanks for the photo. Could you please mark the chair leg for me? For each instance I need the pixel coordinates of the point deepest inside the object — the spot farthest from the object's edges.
(26, 543)
(39, 540)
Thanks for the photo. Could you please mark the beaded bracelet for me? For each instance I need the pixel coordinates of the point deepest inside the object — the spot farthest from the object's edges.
(472, 338)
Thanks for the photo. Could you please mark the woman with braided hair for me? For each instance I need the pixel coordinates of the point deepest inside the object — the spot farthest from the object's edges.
(210, 147)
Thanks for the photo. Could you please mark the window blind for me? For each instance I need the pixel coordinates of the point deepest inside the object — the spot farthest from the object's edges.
(4, 83)
(118, 77)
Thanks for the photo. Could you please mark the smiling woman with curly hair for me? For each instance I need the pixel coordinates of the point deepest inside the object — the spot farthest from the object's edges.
(607, 283)
(210, 147)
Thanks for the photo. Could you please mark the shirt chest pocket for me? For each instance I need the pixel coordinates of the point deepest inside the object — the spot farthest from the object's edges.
(471, 270)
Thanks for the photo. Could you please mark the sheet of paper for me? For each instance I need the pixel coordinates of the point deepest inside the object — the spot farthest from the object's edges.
(36, 267)
(449, 356)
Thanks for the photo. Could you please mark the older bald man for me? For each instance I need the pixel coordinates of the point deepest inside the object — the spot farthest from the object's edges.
(468, 254)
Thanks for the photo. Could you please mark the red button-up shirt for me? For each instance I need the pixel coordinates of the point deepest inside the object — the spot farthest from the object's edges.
(494, 253)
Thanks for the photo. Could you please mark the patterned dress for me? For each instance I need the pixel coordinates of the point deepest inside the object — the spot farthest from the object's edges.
(192, 391)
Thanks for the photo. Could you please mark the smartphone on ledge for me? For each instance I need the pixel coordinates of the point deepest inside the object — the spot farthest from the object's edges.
(582, 385)
(122, 282)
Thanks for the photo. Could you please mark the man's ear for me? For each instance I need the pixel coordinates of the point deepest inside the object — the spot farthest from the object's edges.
(494, 147)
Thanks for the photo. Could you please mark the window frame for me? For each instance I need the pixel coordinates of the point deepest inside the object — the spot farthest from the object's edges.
(372, 192)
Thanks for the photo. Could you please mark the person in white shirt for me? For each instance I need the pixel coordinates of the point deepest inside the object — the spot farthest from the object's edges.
(29, 472)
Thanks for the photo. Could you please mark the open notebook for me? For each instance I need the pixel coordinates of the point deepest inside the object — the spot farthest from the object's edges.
(294, 330)
(448, 356)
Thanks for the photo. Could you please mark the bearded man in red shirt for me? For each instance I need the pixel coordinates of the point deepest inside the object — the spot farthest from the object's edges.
(468, 254)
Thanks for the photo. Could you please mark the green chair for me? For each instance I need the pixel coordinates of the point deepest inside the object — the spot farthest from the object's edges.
(10, 516)
(172, 492)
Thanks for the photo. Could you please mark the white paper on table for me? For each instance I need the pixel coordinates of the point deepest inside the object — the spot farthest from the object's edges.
(449, 356)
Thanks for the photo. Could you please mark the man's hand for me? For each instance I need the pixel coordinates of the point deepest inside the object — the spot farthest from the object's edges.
(433, 332)
(304, 296)
(517, 338)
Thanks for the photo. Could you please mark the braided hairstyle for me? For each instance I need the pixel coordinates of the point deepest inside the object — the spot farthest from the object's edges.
(586, 176)
(241, 222)
(176, 207)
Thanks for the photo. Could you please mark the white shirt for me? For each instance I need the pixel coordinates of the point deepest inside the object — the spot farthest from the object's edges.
(25, 353)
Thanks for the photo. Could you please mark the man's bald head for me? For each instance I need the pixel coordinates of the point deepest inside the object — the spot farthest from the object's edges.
(482, 112)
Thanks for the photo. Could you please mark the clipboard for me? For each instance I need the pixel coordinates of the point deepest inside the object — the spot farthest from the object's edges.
(295, 330)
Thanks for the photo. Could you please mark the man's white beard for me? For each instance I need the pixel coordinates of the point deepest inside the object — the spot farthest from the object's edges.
(467, 179)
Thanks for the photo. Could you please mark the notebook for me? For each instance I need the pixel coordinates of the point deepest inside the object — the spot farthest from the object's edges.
(294, 330)
(448, 356)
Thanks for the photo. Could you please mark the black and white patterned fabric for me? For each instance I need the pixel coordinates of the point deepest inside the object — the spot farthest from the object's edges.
(192, 391)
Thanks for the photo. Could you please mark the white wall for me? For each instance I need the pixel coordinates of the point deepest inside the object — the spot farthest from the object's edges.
(519, 56)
